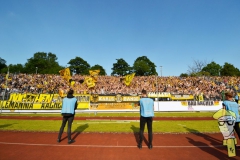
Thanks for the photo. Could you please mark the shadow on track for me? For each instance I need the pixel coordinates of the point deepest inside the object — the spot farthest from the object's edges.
(210, 150)
(136, 134)
(77, 131)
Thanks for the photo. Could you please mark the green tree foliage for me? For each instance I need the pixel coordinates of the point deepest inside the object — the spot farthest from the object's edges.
(183, 75)
(79, 66)
(16, 68)
(2, 64)
(102, 70)
(199, 74)
(144, 67)
(229, 70)
(203, 73)
(121, 68)
(44, 63)
(212, 68)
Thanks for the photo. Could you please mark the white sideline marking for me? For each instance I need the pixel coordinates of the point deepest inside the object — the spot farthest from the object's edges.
(109, 146)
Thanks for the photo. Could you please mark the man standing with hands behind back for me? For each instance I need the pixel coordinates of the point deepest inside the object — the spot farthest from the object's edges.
(69, 105)
(146, 116)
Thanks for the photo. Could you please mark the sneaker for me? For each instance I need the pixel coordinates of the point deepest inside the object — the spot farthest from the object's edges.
(150, 146)
(71, 141)
(140, 146)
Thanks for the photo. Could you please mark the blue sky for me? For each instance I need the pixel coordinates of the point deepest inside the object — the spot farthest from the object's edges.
(171, 33)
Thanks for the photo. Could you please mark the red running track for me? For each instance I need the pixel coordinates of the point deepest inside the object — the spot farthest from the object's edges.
(110, 146)
(107, 146)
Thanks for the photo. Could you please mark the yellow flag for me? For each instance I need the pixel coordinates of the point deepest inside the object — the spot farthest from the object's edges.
(7, 77)
(72, 83)
(61, 92)
(94, 74)
(200, 97)
(128, 79)
(89, 81)
(65, 73)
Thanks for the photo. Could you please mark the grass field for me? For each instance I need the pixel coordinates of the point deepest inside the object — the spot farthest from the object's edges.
(114, 126)
(110, 126)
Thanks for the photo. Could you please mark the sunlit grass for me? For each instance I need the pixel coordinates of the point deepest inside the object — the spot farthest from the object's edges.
(209, 126)
(112, 126)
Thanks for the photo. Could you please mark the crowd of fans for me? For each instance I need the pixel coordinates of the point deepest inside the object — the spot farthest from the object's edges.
(210, 87)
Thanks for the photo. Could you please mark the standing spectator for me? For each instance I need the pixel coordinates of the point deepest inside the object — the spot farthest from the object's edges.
(146, 116)
(69, 106)
(230, 105)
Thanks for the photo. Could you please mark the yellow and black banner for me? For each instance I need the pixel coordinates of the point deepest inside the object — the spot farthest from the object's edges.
(42, 101)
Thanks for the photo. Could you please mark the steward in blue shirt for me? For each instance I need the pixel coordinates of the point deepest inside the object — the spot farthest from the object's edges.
(147, 114)
(69, 105)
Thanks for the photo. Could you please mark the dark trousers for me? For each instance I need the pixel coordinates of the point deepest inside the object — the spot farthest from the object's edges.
(143, 121)
(66, 119)
(237, 129)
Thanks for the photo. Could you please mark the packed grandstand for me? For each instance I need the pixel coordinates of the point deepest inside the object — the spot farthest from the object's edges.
(209, 88)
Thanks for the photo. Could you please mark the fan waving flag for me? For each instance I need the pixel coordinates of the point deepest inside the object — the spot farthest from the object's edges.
(65, 73)
(94, 74)
(128, 79)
